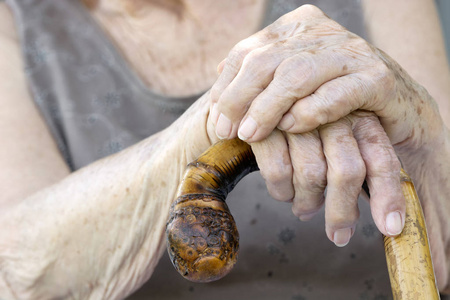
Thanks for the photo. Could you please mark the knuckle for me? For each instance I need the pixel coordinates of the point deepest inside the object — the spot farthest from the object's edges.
(280, 196)
(362, 45)
(339, 100)
(258, 63)
(255, 56)
(340, 218)
(350, 171)
(277, 173)
(385, 160)
(319, 111)
(303, 207)
(232, 107)
(311, 112)
(310, 9)
(295, 72)
(238, 54)
(385, 77)
(315, 176)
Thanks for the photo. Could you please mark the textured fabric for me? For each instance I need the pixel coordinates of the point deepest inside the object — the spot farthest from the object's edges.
(95, 105)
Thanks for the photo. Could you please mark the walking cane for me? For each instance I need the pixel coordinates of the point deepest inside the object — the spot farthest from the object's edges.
(203, 241)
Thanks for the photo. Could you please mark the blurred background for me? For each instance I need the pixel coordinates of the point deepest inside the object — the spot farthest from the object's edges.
(444, 12)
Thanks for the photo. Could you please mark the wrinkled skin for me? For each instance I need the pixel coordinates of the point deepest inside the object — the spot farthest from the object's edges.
(111, 232)
(335, 110)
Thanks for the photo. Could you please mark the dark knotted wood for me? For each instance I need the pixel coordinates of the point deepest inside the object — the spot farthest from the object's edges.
(203, 240)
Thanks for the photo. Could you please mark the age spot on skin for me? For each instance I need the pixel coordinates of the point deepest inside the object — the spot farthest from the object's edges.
(373, 139)
(307, 28)
(419, 110)
(344, 68)
(343, 139)
(279, 43)
(340, 139)
(272, 35)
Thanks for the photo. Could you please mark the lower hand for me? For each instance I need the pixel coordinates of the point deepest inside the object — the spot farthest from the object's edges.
(339, 156)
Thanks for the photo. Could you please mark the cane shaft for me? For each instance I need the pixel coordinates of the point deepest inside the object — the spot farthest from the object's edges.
(408, 255)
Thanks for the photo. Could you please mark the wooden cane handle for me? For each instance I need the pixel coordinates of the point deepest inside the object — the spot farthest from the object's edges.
(203, 241)
(202, 238)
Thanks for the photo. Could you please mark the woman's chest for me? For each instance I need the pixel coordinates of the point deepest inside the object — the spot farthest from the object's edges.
(176, 52)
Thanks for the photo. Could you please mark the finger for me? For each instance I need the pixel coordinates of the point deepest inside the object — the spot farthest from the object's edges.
(333, 100)
(235, 58)
(286, 79)
(286, 26)
(345, 176)
(272, 156)
(383, 174)
(310, 173)
(295, 78)
(255, 74)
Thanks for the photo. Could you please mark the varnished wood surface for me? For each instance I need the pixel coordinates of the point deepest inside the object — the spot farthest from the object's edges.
(408, 255)
(203, 241)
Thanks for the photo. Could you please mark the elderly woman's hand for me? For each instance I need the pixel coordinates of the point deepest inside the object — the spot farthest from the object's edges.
(339, 156)
(305, 70)
(306, 74)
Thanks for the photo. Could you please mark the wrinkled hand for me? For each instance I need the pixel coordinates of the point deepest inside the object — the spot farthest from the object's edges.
(306, 70)
(339, 156)
(306, 74)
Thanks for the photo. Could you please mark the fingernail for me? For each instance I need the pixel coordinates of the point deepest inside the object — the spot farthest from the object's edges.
(342, 237)
(247, 129)
(223, 127)
(286, 122)
(394, 223)
(214, 114)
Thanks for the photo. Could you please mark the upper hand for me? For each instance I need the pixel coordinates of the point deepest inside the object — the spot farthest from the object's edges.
(306, 70)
